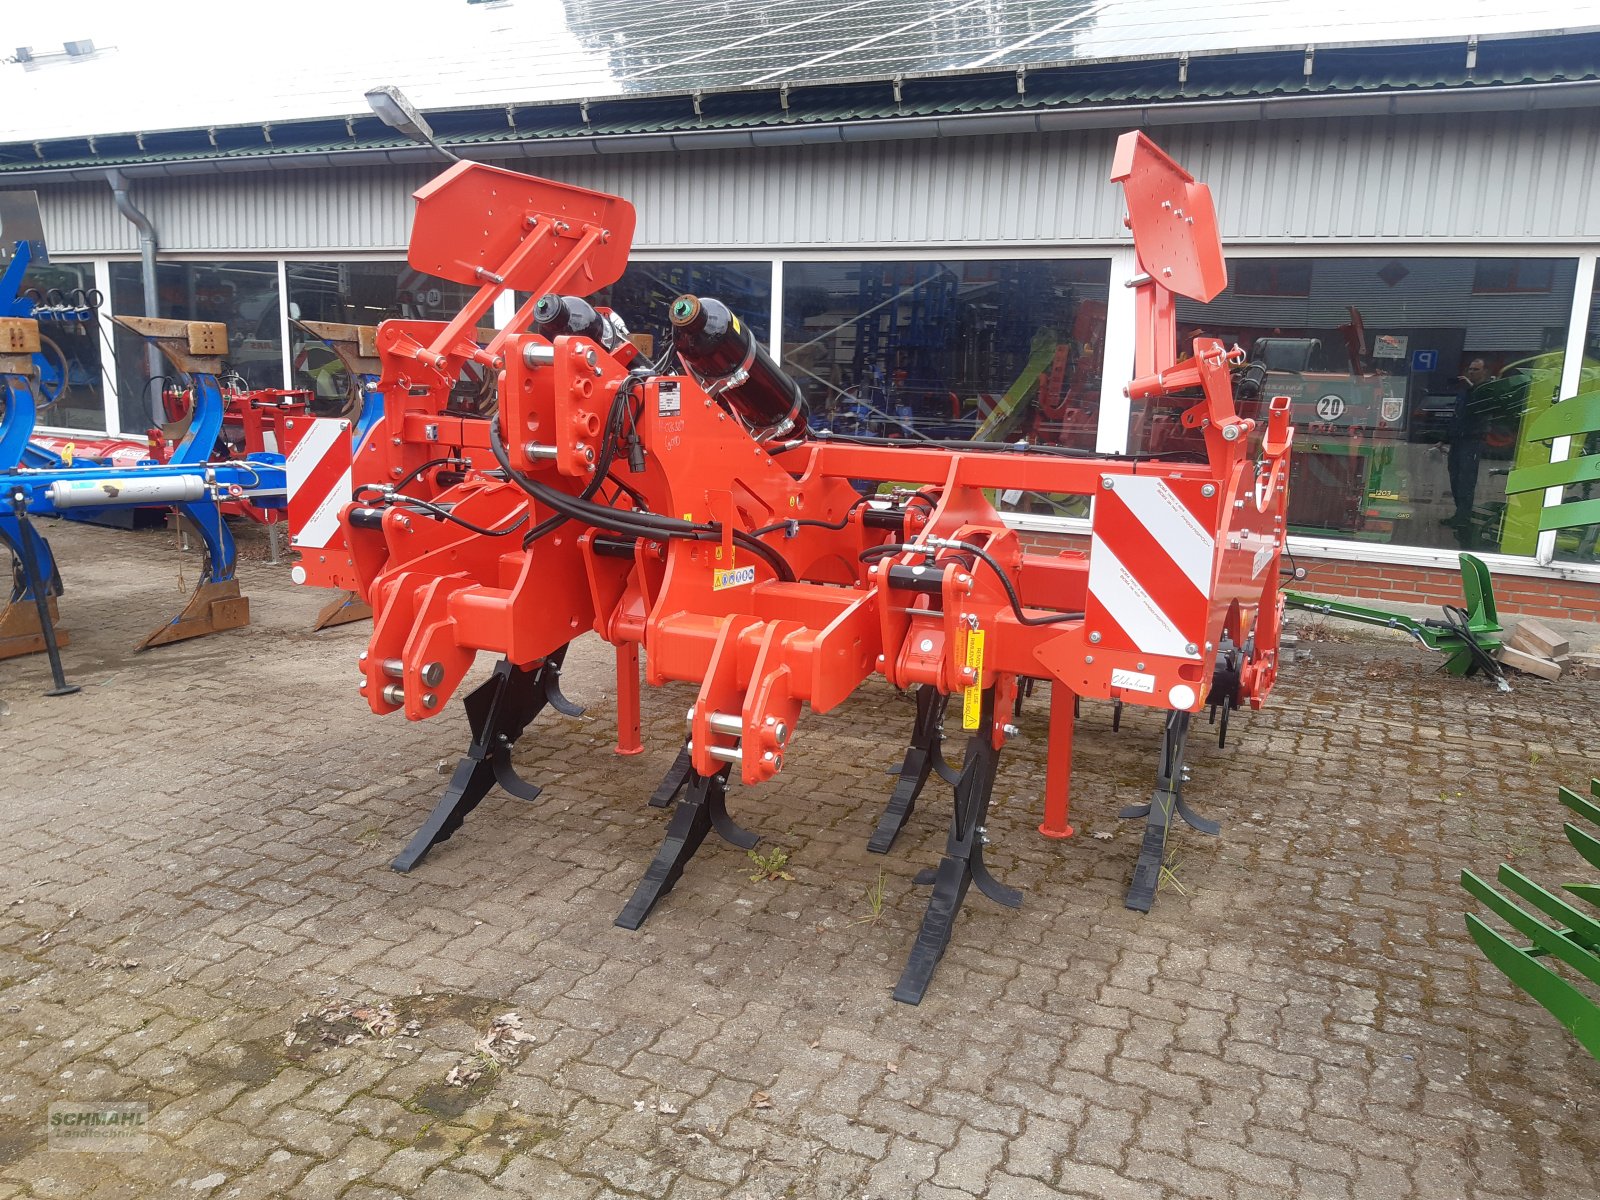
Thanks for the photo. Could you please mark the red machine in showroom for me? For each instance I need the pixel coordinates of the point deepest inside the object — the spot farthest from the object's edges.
(682, 506)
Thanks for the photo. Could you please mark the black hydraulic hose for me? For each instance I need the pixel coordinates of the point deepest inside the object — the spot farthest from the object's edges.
(1461, 624)
(608, 450)
(440, 511)
(406, 479)
(890, 549)
(632, 492)
(873, 553)
(835, 526)
(637, 524)
(432, 462)
(780, 565)
(1011, 592)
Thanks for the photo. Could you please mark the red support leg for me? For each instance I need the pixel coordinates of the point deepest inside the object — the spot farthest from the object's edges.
(628, 741)
(1058, 764)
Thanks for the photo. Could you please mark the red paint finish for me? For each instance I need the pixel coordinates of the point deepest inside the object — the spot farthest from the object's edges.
(777, 588)
(628, 734)
(1058, 769)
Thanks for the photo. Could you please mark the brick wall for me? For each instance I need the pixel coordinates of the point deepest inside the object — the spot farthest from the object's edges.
(1516, 595)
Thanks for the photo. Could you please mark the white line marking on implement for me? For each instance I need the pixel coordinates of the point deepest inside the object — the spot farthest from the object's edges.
(324, 523)
(1157, 507)
(310, 451)
(1125, 598)
(320, 442)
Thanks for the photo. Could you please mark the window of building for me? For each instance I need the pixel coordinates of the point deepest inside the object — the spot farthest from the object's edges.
(1412, 390)
(647, 289)
(241, 295)
(367, 293)
(357, 293)
(990, 350)
(1514, 275)
(1271, 277)
(71, 393)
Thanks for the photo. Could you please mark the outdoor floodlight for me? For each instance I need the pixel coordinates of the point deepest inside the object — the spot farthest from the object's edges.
(398, 113)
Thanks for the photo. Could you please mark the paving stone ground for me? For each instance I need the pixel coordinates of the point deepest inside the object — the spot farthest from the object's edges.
(194, 885)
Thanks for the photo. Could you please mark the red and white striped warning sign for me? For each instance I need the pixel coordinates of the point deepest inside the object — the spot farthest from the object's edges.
(1151, 559)
(319, 479)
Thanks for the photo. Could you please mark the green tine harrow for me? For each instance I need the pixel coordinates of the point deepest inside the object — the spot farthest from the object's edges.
(1574, 939)
(1468, 636)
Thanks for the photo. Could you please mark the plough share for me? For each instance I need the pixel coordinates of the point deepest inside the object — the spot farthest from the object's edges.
(683, 508)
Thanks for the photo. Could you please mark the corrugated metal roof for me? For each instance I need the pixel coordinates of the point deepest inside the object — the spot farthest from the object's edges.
(1349, 72)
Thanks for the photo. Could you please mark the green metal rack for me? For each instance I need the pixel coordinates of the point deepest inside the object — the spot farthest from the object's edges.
(1573, 939)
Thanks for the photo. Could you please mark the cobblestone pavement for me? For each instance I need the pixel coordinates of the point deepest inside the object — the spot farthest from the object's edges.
(198, 916)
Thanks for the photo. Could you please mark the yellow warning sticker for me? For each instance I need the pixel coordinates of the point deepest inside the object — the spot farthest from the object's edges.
(732, 577)
(972, 697)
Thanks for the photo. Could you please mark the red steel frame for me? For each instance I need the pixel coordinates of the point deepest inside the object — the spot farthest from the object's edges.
(1178, 591)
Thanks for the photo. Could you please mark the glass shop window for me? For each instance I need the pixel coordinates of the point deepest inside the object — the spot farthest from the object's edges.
(1413, 385)
(72, 386)
(241, 295)
(1578, 541)
(995, 351)
(1272, 277)
(1514, 275)
(360, 293)
(647, 289)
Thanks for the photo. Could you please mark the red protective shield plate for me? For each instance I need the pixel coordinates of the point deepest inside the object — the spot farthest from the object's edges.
(474, 216)
(1173, 220)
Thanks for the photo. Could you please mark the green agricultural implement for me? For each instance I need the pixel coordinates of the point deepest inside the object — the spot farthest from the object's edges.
(1468, 636)
(1574, 938)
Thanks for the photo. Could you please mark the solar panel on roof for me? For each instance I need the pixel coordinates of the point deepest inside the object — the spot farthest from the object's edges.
(316, 59)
